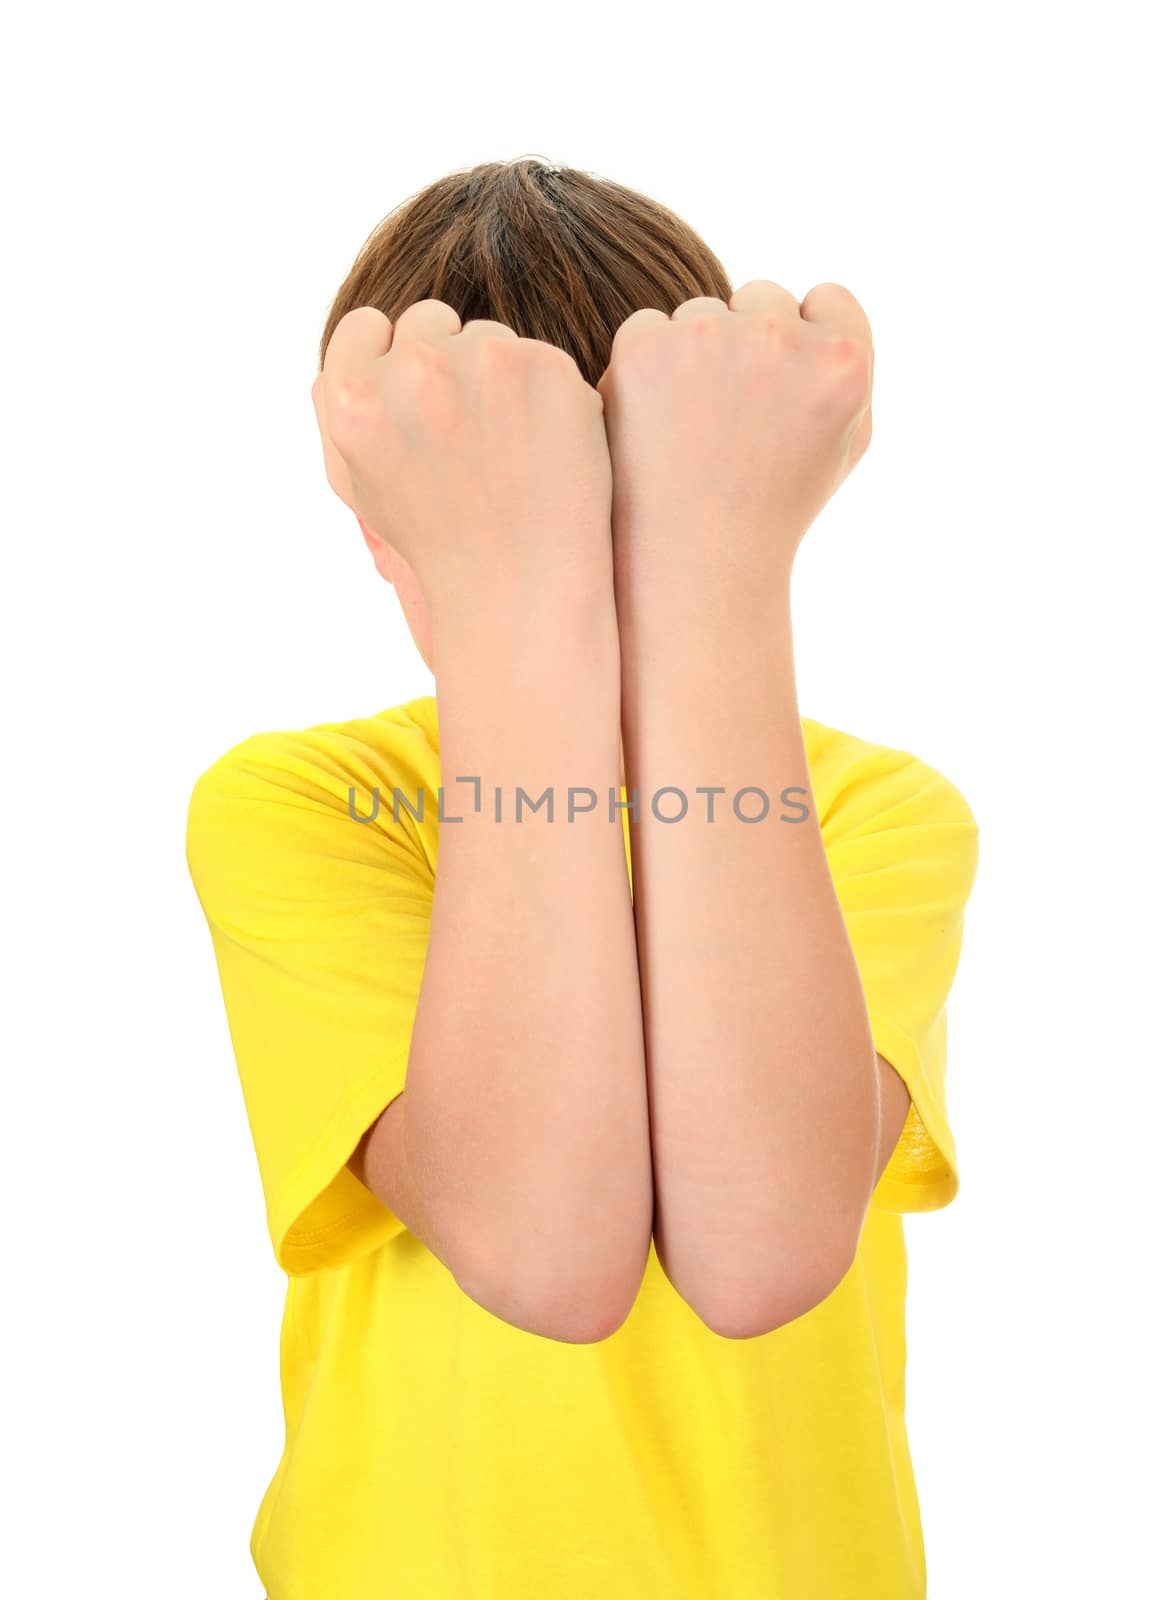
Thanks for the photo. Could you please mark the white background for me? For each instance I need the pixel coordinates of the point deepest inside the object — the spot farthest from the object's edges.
(185, 191)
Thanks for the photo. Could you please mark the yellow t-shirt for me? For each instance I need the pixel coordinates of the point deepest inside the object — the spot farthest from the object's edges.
(432, 1451)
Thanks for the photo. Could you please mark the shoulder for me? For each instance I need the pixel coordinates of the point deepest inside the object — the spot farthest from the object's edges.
(860, 782)
(325, 757)
(280, 788)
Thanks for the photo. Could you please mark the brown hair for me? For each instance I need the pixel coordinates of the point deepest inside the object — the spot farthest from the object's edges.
(553, 252)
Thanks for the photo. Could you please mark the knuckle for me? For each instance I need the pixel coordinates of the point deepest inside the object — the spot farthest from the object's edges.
(545, 354)
(634, 340)
(638, 331)
(847, 350)
(492, 351)
(549, 362)
(418, 372)
(348, 394)
(419, 355)
(844, 369)
(349, 399)
(776, 330)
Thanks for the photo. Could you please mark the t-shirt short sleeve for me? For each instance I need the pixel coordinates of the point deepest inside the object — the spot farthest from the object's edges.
(902, 845)
(319, 924)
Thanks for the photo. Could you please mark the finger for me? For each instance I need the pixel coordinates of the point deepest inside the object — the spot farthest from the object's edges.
(645, 316)
(640, 319)
(486, 327)
(835, 309)
(702, 305)
(333, 464)
(360, 338)
(426, 319)
(763, 297)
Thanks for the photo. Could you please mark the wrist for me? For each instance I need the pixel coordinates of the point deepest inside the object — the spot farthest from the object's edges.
(530, 695)
(528, 636)
(674, 603)
(569, 564)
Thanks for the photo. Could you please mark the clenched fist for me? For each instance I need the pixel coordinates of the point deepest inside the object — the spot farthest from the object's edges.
(480, 457)
(729, 429)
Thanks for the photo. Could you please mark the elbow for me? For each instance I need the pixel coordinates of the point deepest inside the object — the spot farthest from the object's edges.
(781, 1294)
(569, 1313)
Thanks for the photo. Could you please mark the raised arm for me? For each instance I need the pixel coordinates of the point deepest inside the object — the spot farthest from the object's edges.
(519, 1149)
(728, 429)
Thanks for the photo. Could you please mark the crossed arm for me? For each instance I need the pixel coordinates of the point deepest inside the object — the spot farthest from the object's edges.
(545, 1131)
(700, 1069)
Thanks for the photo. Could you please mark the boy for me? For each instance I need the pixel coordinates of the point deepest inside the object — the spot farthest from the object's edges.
(586, 1112)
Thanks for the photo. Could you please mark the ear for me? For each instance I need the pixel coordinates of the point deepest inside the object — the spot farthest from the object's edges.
(378, 548)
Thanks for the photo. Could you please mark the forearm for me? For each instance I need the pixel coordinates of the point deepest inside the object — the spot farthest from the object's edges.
(526, 1097)
(761, 1073)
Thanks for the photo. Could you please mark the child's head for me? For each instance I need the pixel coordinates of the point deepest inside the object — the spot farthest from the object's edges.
(553, 252)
